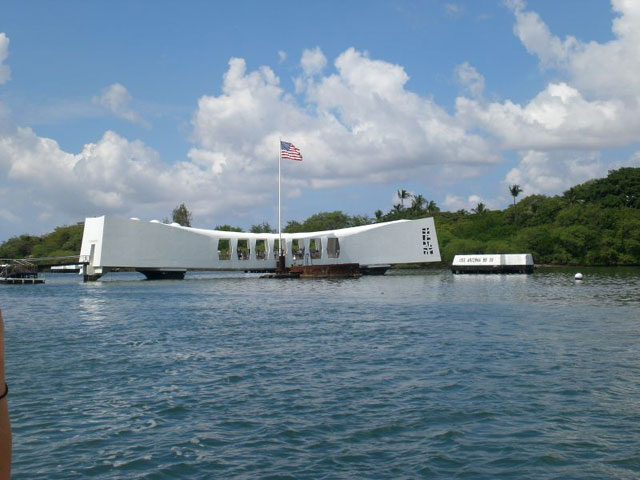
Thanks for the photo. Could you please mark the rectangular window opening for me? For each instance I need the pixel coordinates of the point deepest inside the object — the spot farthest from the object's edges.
(243, 249)
(333, 248)
(297, 247)
(315, 248)
(224, 249)
(261, 249)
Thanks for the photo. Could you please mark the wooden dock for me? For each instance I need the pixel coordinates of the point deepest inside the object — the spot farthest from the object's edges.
(21, 281)
(25, 271)
(19, 272)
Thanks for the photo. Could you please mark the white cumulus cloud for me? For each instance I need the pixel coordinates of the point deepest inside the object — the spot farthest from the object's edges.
(469, 78)
(603, 70)
(112, 176)
(558, 117)
(313, 61)
(538, 40)
(117, 99)
(551, 173)
(355, 121)
(453, 9)
(5, 71)
(456, 202)
(596, 106)
(359, 124)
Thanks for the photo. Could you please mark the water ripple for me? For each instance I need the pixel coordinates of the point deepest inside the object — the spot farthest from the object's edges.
(415, 374)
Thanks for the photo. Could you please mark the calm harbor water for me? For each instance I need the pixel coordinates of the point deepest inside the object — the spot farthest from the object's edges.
(417, 374)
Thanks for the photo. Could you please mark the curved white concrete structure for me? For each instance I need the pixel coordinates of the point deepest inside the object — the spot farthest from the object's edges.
(111, 242)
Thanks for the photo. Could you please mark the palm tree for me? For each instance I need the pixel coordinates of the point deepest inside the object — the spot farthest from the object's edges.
(417, 202)
(378, 214)
(571, 195)
(403, 195)
(432, 207)
(480, 209)
(515, 191)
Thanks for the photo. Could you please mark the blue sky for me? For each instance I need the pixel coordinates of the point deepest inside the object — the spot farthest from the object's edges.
(132, 107)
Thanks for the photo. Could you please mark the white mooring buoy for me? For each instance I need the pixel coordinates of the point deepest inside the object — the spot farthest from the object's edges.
(578, 276)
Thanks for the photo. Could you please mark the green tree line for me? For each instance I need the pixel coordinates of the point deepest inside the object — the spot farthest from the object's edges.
(595, 223)
(63, 241)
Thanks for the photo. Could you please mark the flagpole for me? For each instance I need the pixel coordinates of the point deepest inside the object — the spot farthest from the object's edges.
(279, 198)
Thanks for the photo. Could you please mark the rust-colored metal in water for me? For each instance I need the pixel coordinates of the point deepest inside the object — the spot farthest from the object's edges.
(327, 271)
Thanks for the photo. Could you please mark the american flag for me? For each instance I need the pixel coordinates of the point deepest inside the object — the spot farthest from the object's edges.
(290, 151)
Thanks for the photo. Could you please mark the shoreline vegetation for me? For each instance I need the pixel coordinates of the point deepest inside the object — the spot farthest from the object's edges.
(596, 223)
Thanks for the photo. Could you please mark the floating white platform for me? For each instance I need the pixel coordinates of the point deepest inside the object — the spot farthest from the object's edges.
(66, 268)
(497, 263)
(168, 250)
